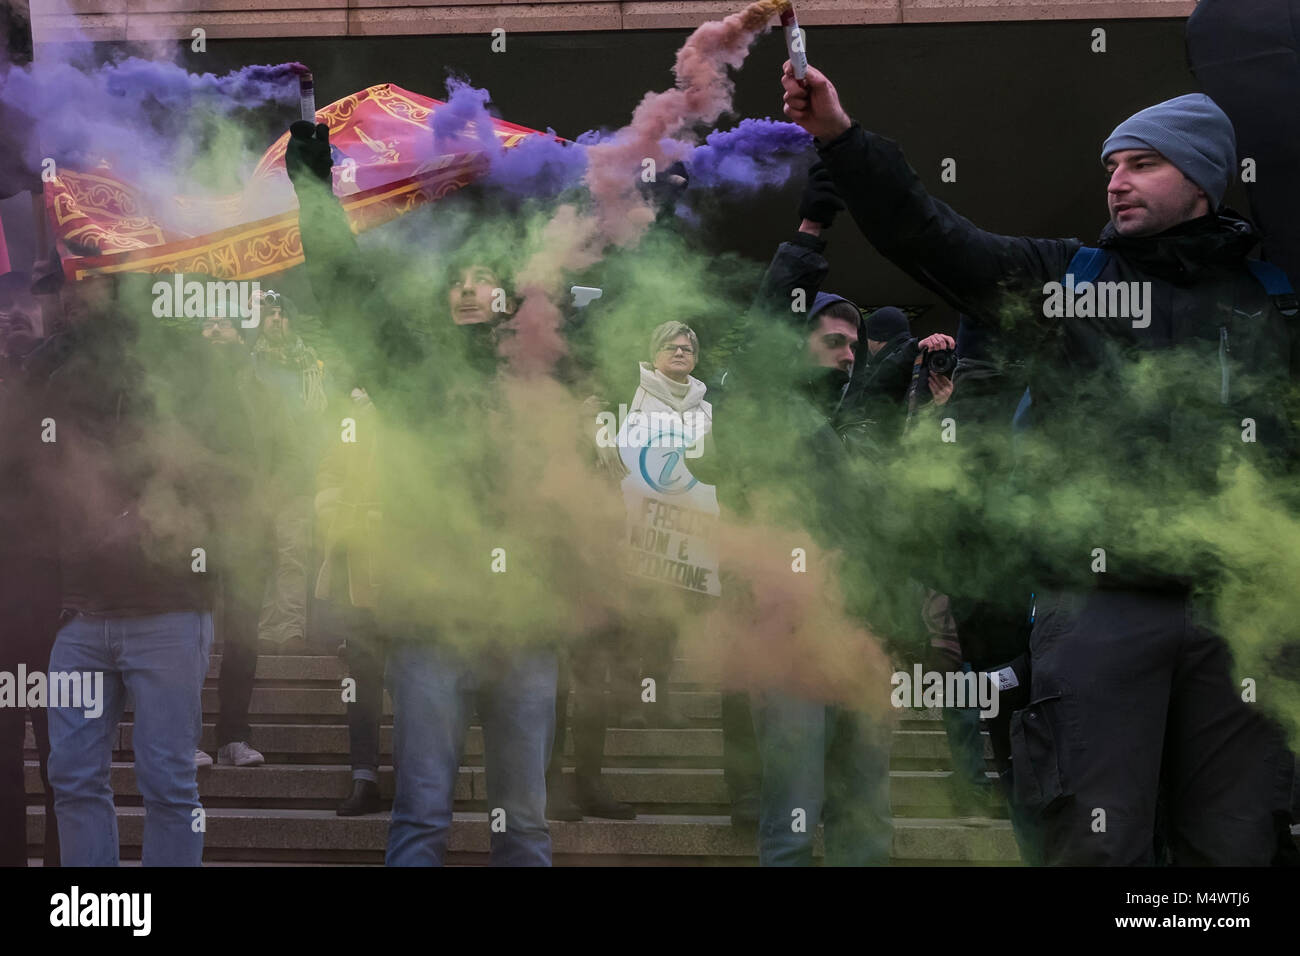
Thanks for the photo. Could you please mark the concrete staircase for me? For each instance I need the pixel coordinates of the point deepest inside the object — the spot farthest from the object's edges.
(283, 812)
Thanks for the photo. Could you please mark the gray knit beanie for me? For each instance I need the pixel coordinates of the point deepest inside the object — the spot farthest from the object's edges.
(1191, 132)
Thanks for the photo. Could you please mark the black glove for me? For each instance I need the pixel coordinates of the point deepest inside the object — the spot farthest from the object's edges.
(307, 155)
(821, 200)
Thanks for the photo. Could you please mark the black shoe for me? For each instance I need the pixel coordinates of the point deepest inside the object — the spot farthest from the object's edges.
(559, 805)
(596, 801)
(363, 799)
(744, 811)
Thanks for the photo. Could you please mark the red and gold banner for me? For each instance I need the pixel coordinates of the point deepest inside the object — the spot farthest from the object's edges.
(105, 225)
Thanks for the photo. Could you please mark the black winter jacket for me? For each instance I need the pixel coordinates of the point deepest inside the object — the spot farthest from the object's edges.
(1228, 351)
(873, 409)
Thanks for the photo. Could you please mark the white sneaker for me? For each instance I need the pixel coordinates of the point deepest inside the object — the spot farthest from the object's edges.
(239, 754)
(202, 759)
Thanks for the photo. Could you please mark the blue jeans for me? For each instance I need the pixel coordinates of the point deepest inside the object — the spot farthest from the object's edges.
(831, 763)
(434, 690)
(161, 661)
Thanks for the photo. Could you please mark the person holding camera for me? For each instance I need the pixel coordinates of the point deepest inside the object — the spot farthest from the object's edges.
(885, 389)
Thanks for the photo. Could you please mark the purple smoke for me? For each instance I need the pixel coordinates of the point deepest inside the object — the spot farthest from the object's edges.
(464, 119)
(754, 155)
(536, 166)
(135, 113)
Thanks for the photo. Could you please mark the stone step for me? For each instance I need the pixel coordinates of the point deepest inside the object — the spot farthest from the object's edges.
(329, 668)
(311, 835)
(279, 702)
(912, 749)
(323, 674)
(324, 785)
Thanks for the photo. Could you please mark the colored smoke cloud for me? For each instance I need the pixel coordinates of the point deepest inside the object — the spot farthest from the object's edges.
(754, 155)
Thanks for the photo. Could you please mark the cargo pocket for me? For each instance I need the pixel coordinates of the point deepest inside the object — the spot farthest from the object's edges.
(1038, 753)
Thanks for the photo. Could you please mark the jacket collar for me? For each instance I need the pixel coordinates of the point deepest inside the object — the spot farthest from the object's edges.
(1186, 251)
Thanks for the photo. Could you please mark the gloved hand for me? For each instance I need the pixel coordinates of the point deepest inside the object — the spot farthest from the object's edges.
(821, 200)
(307, 155)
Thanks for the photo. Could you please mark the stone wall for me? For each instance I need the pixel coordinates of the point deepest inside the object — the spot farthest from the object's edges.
(173, 19)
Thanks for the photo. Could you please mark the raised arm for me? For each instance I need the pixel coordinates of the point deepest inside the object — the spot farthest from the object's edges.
(353, 306)
(965, 265)
(797, 266)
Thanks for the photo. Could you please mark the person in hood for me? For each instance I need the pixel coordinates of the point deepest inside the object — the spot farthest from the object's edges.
(1130, 683)
(834, 327)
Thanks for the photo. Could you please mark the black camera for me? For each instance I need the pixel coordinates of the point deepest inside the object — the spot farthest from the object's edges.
(942, 362)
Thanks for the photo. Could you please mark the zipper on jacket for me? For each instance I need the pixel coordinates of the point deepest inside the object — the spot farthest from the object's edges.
(1223, 365)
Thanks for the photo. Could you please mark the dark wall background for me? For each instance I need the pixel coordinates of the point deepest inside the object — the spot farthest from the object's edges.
(1022, 107)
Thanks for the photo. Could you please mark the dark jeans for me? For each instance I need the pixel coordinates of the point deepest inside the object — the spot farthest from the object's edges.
(1026, 826)
(243, 584)
(366, 653)
(1129, 696)
(741, 763)
(27, 638)
(586, 668)
(962, 727)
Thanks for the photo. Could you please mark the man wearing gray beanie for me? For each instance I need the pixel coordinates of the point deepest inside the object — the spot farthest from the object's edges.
(1169, 382)
(1169, 163)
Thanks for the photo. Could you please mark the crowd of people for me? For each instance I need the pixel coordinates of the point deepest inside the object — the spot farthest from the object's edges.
(219, 477)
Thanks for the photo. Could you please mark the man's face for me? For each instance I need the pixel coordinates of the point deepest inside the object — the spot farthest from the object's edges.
(874, 346)
(220, 331)
(275, 326)
(1148, 194)
(833, 343)
(271, 320)
(471, 297)
(19, 316)
(676, 359)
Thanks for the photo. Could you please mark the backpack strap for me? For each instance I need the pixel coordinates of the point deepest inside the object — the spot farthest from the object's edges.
(1276, 284)
(1087, 264)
